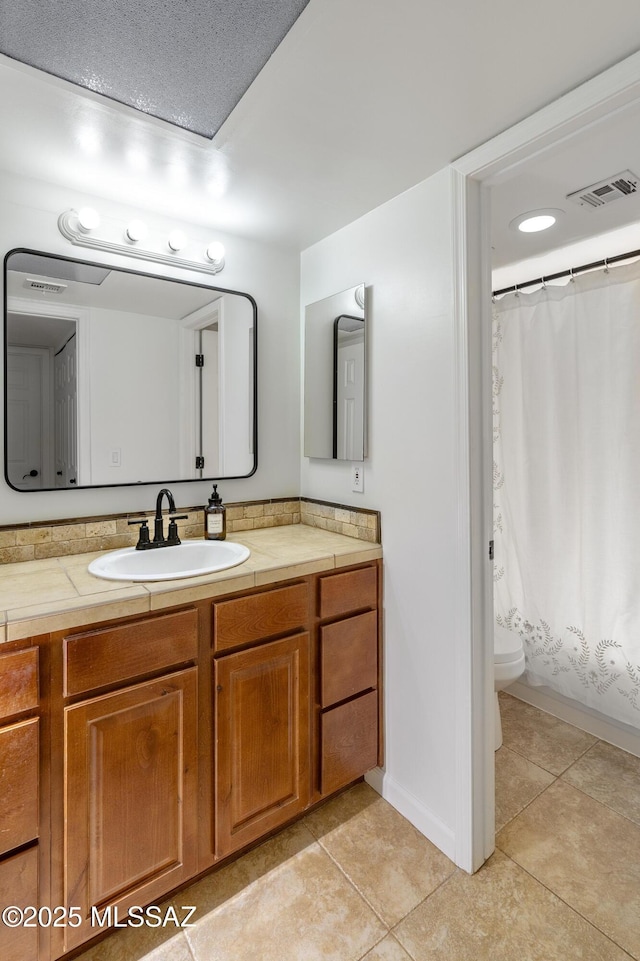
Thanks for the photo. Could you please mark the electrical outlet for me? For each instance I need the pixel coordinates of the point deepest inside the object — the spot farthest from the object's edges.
(357, 478)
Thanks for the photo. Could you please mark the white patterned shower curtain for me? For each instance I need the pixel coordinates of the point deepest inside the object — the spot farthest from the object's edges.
(566, 394)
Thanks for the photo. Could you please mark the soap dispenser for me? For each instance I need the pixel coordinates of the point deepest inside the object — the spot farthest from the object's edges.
(215, 517)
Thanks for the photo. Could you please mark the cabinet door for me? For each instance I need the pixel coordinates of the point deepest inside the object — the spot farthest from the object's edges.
(19, 887)
(262, 740)
(130, 796)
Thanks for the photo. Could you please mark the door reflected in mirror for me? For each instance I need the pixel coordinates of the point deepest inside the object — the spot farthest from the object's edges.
(114, 377)
(335, 376)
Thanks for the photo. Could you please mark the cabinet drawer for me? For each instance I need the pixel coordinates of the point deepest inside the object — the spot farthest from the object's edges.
(258, 616)
(110, 655)
(19, 886)
(349, 742)
(348, 657)
(18, 682)
(18, 784)
(351, 591)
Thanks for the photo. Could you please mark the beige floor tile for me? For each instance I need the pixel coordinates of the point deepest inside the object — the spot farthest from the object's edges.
(500, 914)
(140, 944)
(300, 907)
(543, 739)
(221, 886)
(586, 854)
(518, 781)
(387, 950)
(385, 857)
(611, 776)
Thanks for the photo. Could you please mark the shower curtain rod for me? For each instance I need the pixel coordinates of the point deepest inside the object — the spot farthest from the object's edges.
(568, 273)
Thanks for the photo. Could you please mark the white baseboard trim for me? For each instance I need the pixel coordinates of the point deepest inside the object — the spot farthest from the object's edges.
(414, 811)
(614, 732)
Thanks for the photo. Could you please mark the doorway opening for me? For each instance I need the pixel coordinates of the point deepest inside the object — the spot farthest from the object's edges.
(42, 401)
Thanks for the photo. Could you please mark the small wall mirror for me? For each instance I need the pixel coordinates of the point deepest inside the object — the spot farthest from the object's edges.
(335, 376)
(114, 377)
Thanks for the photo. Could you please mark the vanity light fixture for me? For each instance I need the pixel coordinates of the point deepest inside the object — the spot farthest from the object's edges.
(80, 227)
(215, 253)
(88, 219)
(176, 240)
(136, 231)
(536, 220)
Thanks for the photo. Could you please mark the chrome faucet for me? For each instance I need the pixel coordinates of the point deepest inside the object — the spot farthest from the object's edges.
(172, 539)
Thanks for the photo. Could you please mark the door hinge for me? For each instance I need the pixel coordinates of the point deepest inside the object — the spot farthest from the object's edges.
(490, 550)
(199, 463)
(199, 360)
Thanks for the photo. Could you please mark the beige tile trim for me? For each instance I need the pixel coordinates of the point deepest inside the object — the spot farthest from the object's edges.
(46, 539)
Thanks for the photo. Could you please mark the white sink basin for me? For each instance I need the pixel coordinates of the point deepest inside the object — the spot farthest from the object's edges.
(187, 559)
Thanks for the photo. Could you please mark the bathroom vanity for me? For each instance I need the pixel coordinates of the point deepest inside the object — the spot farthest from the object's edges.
(148, 746)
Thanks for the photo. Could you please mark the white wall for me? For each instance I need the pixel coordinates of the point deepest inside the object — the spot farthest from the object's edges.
(28, 218)
(402, 251)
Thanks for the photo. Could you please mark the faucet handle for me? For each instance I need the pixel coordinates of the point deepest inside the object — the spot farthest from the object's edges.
(172, 534)
(143, 539)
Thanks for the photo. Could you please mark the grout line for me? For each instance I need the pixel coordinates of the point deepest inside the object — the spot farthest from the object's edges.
(390, 934)
(190, 947)
(598, 801)
(354, 885)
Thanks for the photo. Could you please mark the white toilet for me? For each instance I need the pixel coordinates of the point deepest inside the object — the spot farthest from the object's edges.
(508, 657)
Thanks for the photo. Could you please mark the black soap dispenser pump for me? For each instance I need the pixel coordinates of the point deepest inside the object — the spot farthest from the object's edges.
(215, 518)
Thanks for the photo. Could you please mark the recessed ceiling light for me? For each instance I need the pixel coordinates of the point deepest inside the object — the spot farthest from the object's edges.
(535, 220)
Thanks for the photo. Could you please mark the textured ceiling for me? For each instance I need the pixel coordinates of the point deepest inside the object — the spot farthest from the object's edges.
(188, 62)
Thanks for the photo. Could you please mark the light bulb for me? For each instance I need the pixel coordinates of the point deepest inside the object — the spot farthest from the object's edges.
(215, 252)
(136, 230)
(88, 219)
(533, 224)
(176, 240)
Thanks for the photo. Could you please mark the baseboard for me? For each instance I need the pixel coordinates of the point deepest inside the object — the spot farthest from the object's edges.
(614, 732)
(414, 811)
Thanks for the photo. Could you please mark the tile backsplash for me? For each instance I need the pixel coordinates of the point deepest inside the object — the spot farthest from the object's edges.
(42, 539)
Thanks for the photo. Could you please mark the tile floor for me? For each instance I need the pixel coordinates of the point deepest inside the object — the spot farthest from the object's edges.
(354, 880)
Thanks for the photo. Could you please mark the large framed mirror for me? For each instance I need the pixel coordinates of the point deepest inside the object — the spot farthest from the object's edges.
(335, 376)
(114, 377)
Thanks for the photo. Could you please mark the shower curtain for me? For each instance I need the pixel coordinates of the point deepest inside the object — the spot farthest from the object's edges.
(566, 393)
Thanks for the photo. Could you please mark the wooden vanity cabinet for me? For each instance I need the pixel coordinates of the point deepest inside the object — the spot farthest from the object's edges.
(21, 797)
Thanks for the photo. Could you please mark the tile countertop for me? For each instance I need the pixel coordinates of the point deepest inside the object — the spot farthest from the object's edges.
(59, 593)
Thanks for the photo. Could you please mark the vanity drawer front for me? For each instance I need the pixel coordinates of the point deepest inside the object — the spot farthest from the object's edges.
(350, 591)
(18, 682)
(349, 746)
(258, 616)
(111, 655)
(18, 784)
(19, 886)
(348, 657)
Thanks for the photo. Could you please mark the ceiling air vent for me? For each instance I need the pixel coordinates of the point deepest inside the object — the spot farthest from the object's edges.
(46, 286)
(621, 185)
